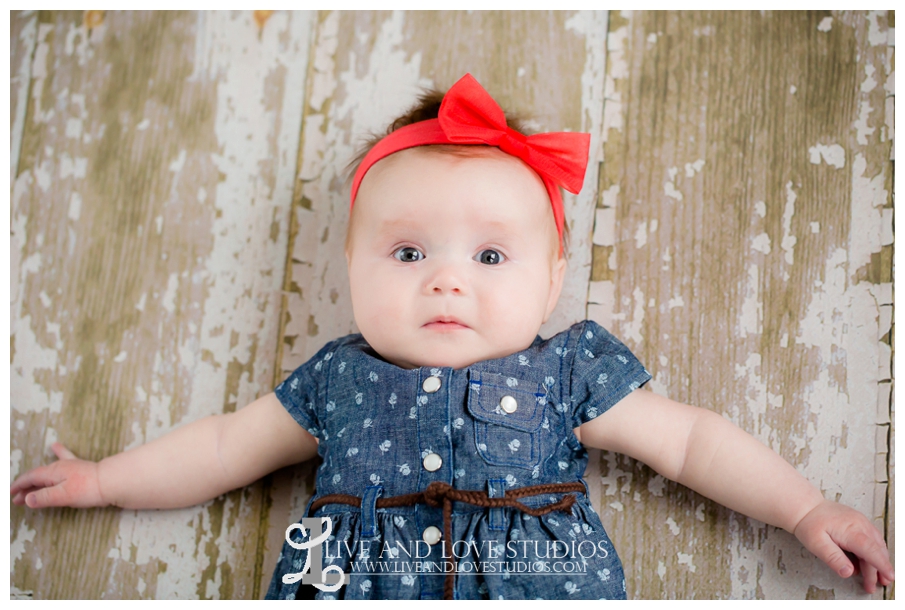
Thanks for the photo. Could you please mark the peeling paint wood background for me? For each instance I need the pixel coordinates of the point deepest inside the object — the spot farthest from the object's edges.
(178, 214)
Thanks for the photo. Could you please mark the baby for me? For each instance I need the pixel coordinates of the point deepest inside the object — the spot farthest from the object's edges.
(452, 437)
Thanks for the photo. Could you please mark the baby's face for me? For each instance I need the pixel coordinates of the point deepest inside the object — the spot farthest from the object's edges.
(452, 259)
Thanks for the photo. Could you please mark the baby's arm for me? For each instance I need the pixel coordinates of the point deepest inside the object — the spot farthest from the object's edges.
(709, 454)
(191, 464)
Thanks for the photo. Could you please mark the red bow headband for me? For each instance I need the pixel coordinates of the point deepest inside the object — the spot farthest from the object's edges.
(468, 115)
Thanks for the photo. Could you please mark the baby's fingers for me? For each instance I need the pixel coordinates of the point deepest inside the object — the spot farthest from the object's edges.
(42, 476)
(62, 452)
(871, 549)
(830, 553)
(47, 497)
(869, 574)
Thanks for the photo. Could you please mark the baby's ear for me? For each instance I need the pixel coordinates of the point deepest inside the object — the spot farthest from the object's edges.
(557, 275)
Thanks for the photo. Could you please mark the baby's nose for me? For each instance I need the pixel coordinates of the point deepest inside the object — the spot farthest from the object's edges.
(446, 279)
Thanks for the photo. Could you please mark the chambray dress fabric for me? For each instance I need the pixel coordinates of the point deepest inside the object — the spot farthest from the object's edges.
(376, 423)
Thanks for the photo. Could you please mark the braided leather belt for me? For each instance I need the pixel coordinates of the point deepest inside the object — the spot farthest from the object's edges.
(439, 494)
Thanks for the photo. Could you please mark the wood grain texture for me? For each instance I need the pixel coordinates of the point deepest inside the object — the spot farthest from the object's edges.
(149, 227)
(738, 251)
(23, 37)
(887, 404)
(179, 210)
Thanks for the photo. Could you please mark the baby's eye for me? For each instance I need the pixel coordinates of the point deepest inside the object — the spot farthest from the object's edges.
(489, 257)
(408, 255)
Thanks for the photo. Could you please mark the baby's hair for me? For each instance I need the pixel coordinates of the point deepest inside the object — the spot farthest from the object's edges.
(428, 107)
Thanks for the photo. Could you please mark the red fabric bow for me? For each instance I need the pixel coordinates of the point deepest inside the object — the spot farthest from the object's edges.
(468, 115)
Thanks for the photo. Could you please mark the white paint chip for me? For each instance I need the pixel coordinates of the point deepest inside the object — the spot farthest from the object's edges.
(75, 206)
(832, 155)
(862, 124)
(602, 293)
(520, 72)
(793, 89)
(875, 35)
(692, 168)
(17, 546)
(815, 227)
(673, 526)
(178, 162)
(77, 168)
(670, 189)
(825, 24)
(641, 235)
(611, 196)
(168, 301)
(676, 301)
(120, 357)
(760, 208)
(788, 240)
(761, 243)
(656, 485)
(15, 459)
(752, 312)
(869, 82)
(143, 125)
(618, 506)
(74, 128)
(886, 232)
(687, 560)
(604, 227)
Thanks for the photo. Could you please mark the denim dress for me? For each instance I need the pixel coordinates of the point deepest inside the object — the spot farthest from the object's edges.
(494, 426)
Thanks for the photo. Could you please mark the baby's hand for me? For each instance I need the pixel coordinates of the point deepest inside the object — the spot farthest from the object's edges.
(831, 530)
(68, 482)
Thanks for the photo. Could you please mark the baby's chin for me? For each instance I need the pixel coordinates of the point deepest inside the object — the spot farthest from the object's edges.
(454, 359)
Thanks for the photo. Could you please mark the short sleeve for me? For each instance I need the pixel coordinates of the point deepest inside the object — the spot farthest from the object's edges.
(300, 393)
(604, 371)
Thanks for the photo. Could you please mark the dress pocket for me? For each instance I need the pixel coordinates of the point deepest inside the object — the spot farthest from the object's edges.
(509, 413)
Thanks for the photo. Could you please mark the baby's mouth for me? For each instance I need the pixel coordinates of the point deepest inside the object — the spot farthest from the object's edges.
(445, 324)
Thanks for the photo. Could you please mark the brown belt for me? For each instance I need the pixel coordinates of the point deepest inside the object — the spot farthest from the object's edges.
(439, 494)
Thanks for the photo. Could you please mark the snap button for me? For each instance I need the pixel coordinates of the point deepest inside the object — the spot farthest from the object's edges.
(508, 404)
(432, 462)
(431, 535)
(431, 385)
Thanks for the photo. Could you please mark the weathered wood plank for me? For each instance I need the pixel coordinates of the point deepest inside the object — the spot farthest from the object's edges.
(149, 229)
(738, 251)
(367, 67)
(23, 33)
(887, 403)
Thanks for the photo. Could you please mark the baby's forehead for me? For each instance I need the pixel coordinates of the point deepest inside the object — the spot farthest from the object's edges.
(427, 187)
